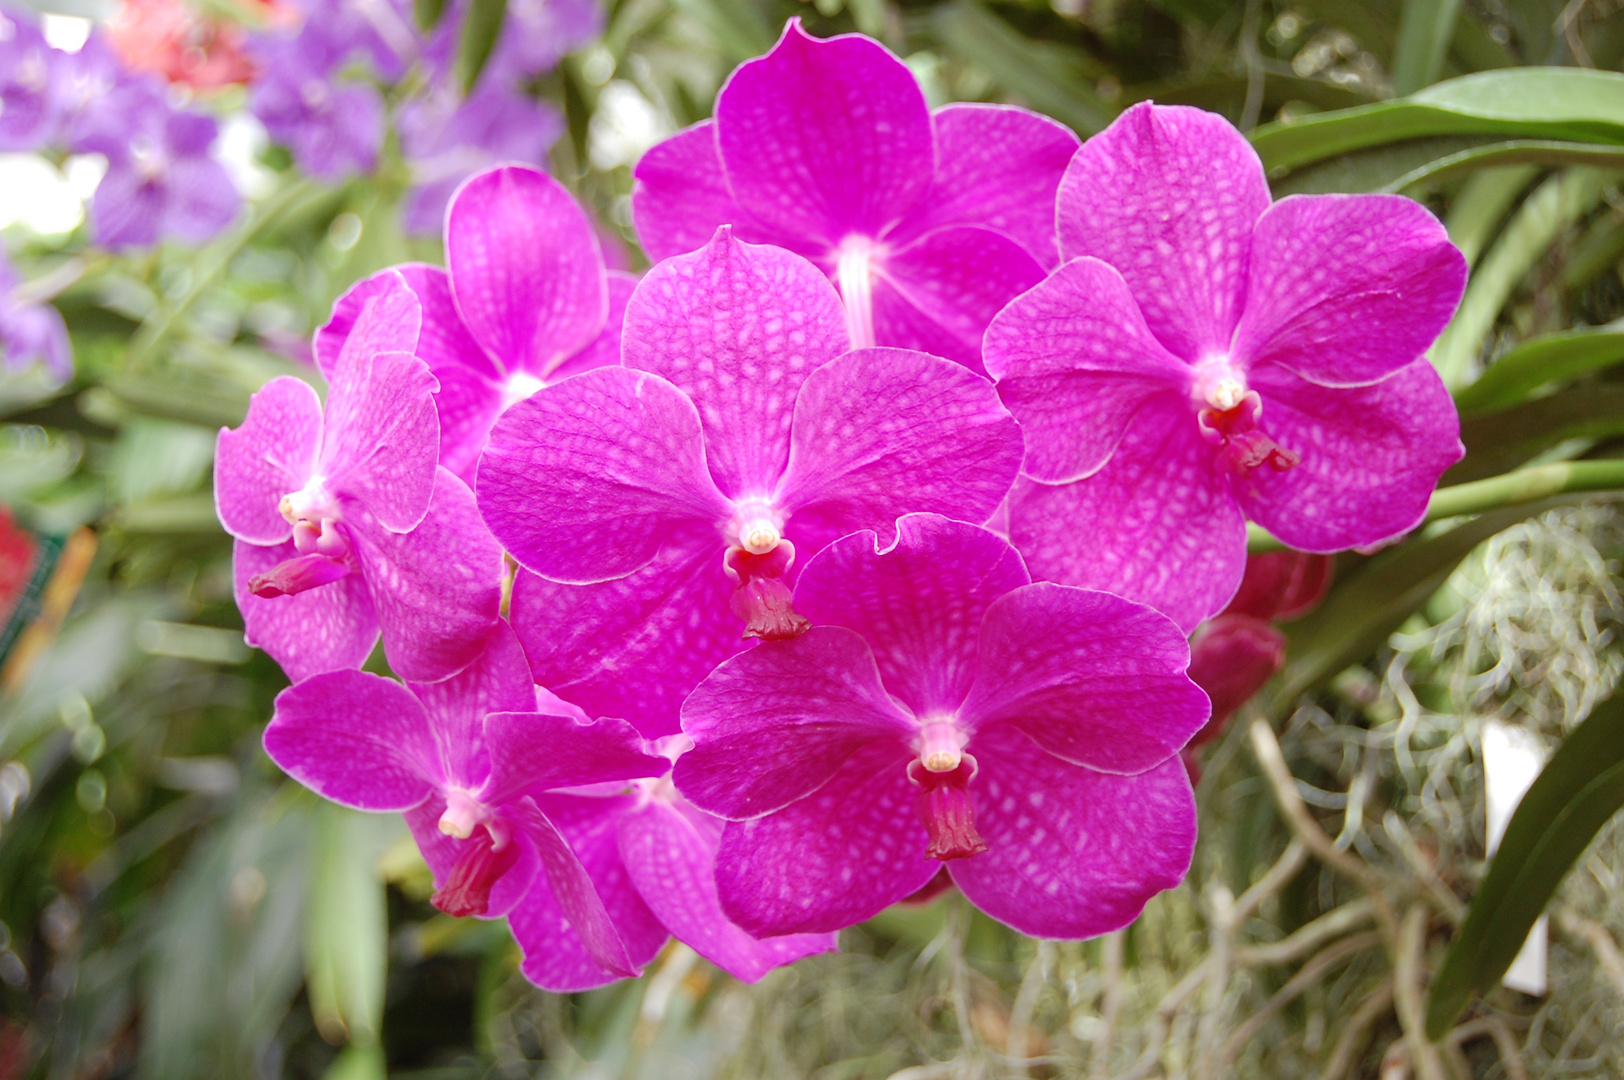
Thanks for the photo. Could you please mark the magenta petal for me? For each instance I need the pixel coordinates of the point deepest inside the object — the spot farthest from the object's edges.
(441, 852)
(1072, 853)
(535, 752)
(1347, 289)
(322, 629)
(998, 166)
(680, 195)
(271, 455)
(883, 432)
(1371, 457)
(839, 856)
(1074, 362)
(497, 681)
(357, 739)
(603, 350)
(919, 603)
(1168, 195)
(1157, 524)
(670, 854)
(636, 646)
(525, 268)
(1094, 679)
(584, 480)
(738, 328)
(380, 314)
(382, 441)
(468, 404)
(556, 957)
(775, 722)
(939, 293)
(436, 589)
(825, 138)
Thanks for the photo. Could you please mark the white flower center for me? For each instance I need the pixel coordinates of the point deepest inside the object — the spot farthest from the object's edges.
(313, 502)
(1219, 384)
(854, 274)
(519, 385)
(941, 746)
(464, 813)
(756, 527)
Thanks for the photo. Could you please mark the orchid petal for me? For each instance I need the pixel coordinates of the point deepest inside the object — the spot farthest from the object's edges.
(321, 629)
(774, 723)
(1092, 678)
(738, 328)
(1347, 289)
(525, 268)
(680, 195)
(918, 603)
(382, 440)
(498, 681)
(603, 350)
(821, 138)
(1072, 853)
(870, 435)
(441, 851)
(271, 455)
(1168, 195)
(534, 752)
(583, 481)
(1074, 362)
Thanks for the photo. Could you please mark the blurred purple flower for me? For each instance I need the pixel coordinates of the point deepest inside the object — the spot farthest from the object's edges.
(28, 76)
(344, 523)
(658, 507)
(944, 710)
(537, 35)
(526, 302)
(928, 224)
(446, 139)
(469, 761)
(1206, 357)
(31, 332)
(333, 129)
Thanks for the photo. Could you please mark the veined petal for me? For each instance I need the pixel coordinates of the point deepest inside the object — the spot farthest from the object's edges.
(1092, 678)
(436, 589)
(636, 646)
(1157, 524)
(525, 268)
(441, 852)
(603, 350)
(442, 339)
(883, 432)
(357, 739)
(584, 481)
(1168, 195)
(919, 603)
(670, 855)
(570, 942)
(380, 314)
(773, 724)
(841, 855)
(382, 440)
(998, 166)
(1371, 456)
(825, 138)
(939, 293)
(1074, 362)
(1347, 289)
(468, 404)
(497, 681)
(322, 629)
(680, 195)
(738, 328)
(534, 752)
(1072, 853)
(273, 453)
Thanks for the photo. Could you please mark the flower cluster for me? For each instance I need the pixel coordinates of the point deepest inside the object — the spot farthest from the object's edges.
(852, 547)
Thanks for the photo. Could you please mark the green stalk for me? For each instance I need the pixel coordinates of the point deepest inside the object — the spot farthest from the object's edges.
(1521, 486)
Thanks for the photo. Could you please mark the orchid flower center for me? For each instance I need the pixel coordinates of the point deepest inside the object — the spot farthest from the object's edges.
(1218, 384)
(756, 527)
(519, 385)
(312, 503)
(151, 162)
(757, 558)
(942, 772)
(314, 93)
(1228, 415)
(487, 854)
(854, 274)
(464, 814)
(941, 746)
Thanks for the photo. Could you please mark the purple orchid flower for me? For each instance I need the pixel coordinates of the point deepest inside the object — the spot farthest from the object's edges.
(161, 181)
(344, 524)
(928, 224)
(31, 332)
(537, 35)
(526, 302)
(658, 507)
(946, 711)
(652, 855)
(469, 761)
(333, 129)
(447, 138)
(1206, 357)
(27, 82)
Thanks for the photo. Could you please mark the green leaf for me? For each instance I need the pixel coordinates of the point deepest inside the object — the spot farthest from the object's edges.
(347, 928)
(1424, 32)
(1498, 442)
(1534, 103)
(480, 29)
(1578, 791)
(1482, 204)
(1513, 152)
(428, 13)
(1541, 361)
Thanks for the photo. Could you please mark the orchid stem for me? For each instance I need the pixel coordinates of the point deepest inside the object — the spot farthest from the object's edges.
(1509, 489)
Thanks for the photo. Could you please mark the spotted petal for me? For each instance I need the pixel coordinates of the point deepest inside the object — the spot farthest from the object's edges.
(680, 195)
(536, 752)
(322, 629)
(497, 681)
(271, 455)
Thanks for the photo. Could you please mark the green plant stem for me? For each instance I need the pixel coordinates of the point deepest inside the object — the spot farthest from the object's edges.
(1509, 489)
